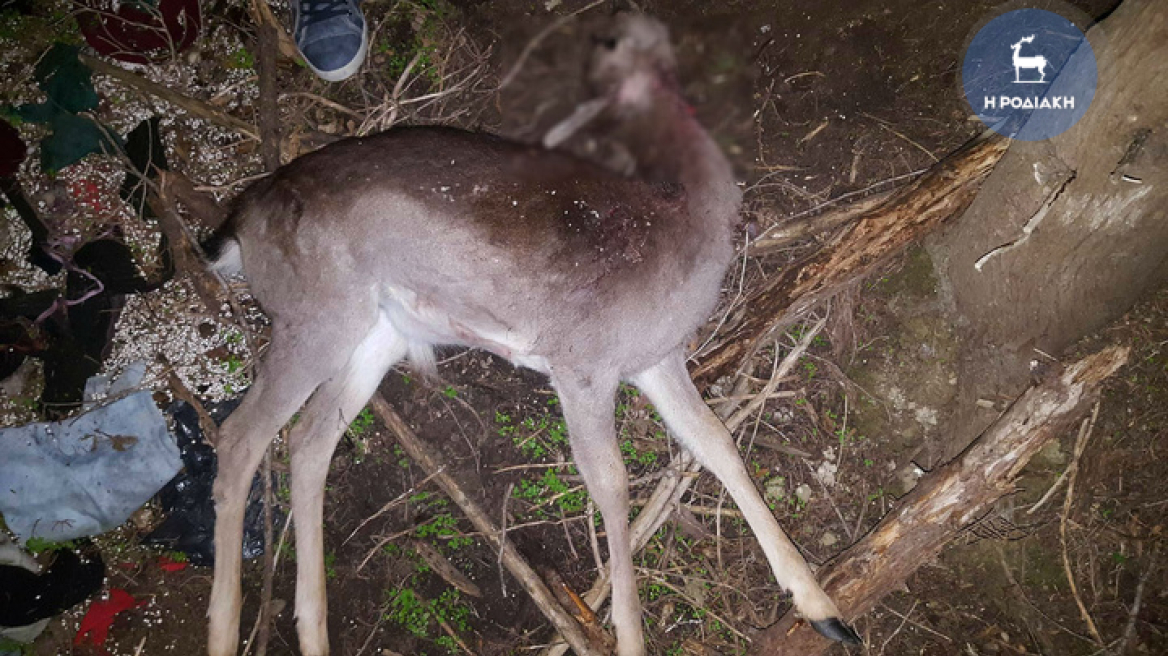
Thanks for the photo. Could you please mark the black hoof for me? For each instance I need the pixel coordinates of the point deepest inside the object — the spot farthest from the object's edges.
(833, 628)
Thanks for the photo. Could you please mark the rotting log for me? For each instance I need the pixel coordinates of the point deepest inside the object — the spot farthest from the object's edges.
(906, 216)
(422, 454)
(947, 500)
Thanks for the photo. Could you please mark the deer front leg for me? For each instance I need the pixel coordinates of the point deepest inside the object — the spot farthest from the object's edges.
(698, 429)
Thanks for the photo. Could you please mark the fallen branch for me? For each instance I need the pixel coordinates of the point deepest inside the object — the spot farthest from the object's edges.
(262, 15)
(183, 245)
(1129, 631)
(422, 454)
(948, 500)
(444, 569)
(907, 215)
(267, 107)
(268, 111)
(192, 106)
(793, 231)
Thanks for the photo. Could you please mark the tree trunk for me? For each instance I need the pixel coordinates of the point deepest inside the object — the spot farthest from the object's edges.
(1066, 234)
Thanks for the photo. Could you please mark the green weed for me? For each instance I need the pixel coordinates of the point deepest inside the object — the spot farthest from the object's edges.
(37, 545)
(417, 615)
(241, 59)
(550, 487)
(362, 423)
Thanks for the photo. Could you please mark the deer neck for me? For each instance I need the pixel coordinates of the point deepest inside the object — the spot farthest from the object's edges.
(672, 147)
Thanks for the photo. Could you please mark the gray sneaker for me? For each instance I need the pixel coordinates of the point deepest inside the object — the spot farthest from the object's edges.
(332, 36)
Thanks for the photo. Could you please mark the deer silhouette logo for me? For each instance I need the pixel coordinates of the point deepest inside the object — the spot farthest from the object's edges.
(1038, 62)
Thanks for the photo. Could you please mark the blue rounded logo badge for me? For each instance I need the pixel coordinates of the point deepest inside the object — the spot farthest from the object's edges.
(1029, 74)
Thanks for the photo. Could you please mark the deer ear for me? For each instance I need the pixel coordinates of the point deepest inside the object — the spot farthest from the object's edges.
(583, 115)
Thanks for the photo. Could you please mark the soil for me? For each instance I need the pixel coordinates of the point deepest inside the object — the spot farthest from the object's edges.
(811, 100)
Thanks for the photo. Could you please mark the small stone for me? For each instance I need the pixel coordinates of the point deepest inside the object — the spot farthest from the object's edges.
(775, 489)
(825, 473)
(829, 539)
(803, 493)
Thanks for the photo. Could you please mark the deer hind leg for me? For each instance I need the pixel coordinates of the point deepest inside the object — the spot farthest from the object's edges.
(698, 429)
(311, 443)
(588, 410)
(288, 374)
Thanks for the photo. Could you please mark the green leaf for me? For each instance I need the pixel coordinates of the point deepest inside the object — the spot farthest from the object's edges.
(65, 80)
(73, 138)
(42, 113)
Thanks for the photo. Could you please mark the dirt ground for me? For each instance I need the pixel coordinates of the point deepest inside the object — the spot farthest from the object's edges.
(812, 101)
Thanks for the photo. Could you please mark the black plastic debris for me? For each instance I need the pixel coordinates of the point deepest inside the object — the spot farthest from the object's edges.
(72, 577)
(71, 331)
(190, 523)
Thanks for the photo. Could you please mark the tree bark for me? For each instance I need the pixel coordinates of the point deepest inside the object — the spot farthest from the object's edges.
(947, 500)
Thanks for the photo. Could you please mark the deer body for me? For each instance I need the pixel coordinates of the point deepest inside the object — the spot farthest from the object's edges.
(371, 250)
(462, 238)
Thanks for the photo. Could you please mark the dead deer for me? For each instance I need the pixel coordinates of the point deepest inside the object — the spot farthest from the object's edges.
(372, 250)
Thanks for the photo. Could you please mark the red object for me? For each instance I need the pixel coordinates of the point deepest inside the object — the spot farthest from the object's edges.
(169, 565)
(88, 195)
(136, 35)
(95, 625)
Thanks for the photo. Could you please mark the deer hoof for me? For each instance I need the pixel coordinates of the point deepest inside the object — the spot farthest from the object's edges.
(833, 628)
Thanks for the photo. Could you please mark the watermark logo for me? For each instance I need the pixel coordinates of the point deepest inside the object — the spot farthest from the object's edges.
(1038, 63)
(1029, 74)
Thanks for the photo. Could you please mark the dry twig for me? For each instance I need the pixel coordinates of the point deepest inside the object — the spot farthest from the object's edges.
(399, 499)
(1130, 629)
(1085, 431)
(535, 41)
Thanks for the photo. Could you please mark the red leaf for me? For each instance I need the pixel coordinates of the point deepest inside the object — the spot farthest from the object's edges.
(139, 36)
(95, 625)
(169, 565)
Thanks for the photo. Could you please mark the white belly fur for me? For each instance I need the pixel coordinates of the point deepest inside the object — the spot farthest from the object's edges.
(425, 326)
